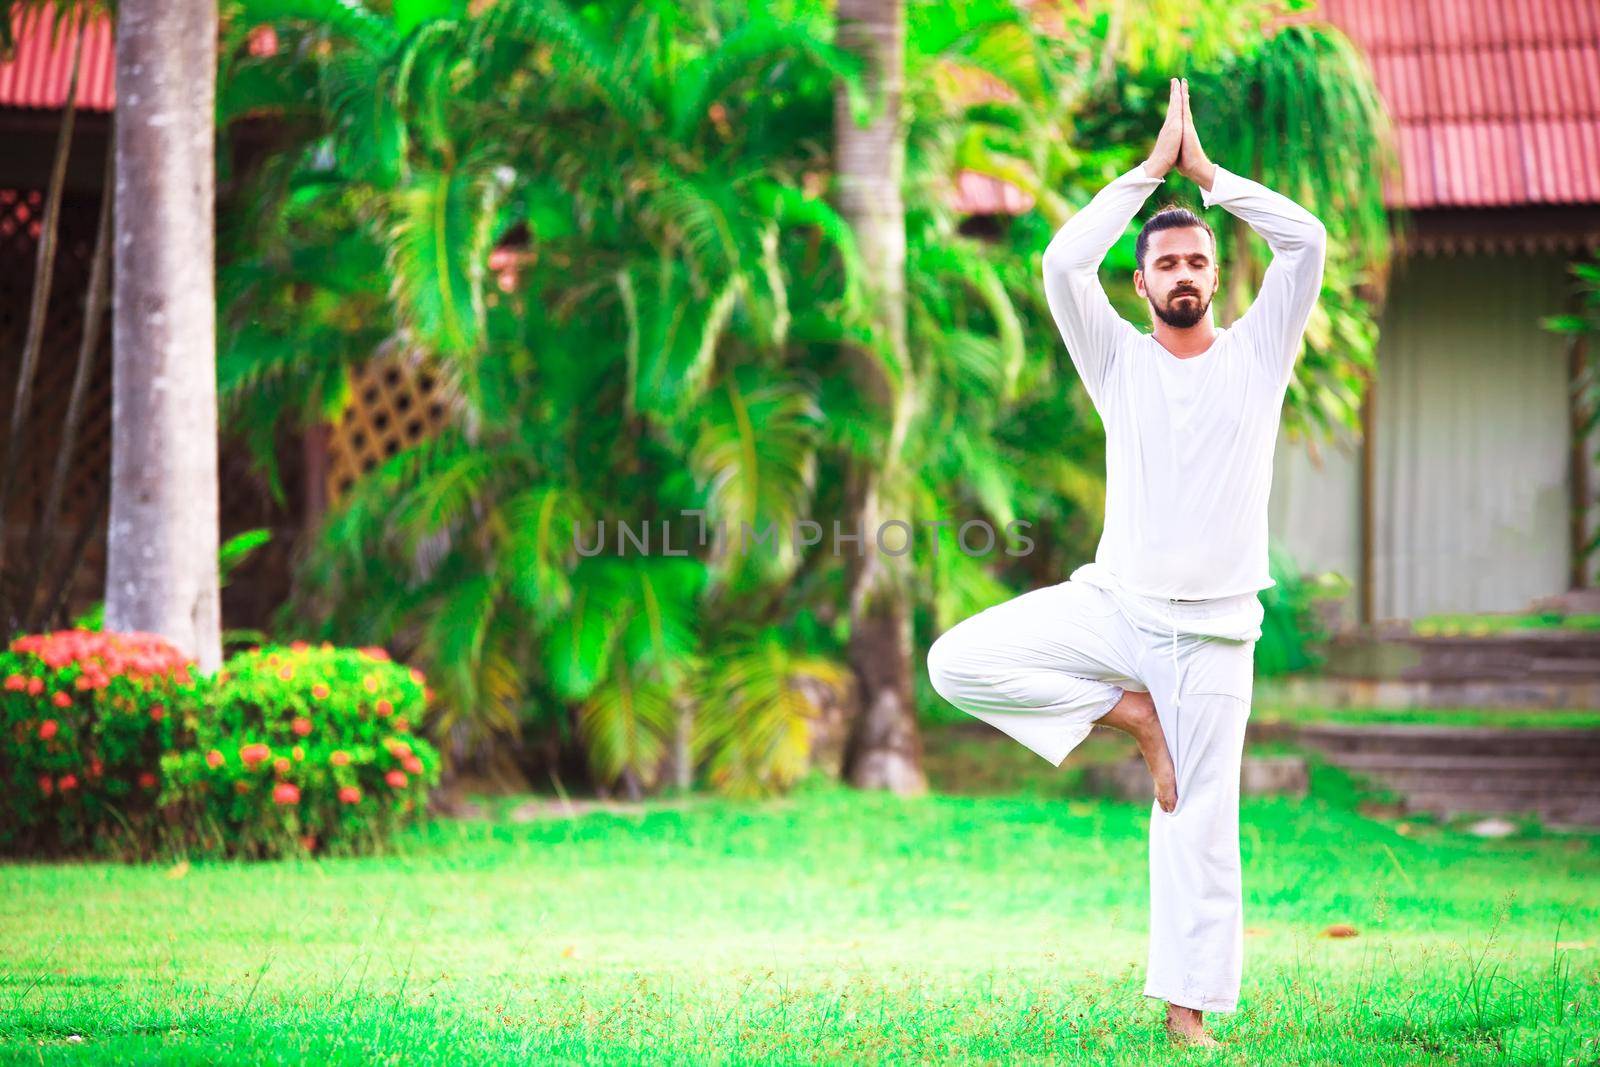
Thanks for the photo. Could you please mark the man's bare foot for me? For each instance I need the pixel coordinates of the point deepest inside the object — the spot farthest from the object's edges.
(1135, 715)
(1187, 1025)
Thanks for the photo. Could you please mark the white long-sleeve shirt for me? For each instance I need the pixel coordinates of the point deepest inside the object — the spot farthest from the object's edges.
(1189, 442)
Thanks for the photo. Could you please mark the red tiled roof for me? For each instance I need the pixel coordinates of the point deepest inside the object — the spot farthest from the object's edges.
(36, 76)
(1494, 104)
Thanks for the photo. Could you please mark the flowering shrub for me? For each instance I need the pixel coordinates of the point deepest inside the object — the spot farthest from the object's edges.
(85, 717)
(305, 748)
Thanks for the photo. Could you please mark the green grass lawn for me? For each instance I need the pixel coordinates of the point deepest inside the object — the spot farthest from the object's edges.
(828, 926)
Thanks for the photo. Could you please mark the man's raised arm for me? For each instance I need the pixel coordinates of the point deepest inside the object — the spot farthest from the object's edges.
(1277, 318)
(1088, 323)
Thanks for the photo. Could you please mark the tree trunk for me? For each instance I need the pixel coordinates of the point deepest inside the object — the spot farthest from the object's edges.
(162, 538)
(44, 274)
(884, 750)
(42, 537)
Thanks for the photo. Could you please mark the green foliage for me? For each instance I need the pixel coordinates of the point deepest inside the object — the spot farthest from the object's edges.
(303, 749)
(85, 717)
(1292, 626)
(608, 230)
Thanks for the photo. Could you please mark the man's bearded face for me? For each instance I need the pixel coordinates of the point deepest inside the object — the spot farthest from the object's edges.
(1179, 276)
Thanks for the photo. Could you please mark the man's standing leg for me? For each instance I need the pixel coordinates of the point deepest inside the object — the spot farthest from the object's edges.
(1196, 885)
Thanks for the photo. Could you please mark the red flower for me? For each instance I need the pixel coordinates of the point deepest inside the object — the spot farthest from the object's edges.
(286, 793)
(349, 794)
(96, 768)
(299, 646)
(370, 683)
(281, 764)
(297, 752)
(412, 764)
(254, 754)
(67, 782)
(286, 673)
(397, 779)
(62, 699)
(16, 683)
(301, 726)
(320, 691)
(46, 786)
(241, 787)
(399, 748)
(48, 729)
(417, 676)
(403, 725)
(377, 653)
(339, 757)
(308, 842)
(147, 780)
(215, 759)
(35, 686)
(158, 713)
(385, 708)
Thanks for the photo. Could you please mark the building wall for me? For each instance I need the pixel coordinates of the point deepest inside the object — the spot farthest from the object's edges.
(1471, 489)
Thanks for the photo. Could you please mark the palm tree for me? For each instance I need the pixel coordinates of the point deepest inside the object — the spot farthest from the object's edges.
(162, 537)
(885, 749)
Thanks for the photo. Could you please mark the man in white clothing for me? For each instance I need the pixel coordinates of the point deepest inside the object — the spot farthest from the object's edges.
(1156, 637)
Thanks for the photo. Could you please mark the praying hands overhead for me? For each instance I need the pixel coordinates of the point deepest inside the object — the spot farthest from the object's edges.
(1178, 144)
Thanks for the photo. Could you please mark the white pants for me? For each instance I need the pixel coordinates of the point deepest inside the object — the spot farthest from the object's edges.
(1045, 665)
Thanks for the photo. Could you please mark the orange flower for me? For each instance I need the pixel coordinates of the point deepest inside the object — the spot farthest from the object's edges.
(417, 676)
(297, 752)
(286, 673)
(403, 725)
(62, 699)
(215, 759)
(339, 757)
(281, 764)
(385, 709)
(320, 691)
(370, 683)
(301, 726)
(349, 794)
(299, 646)
(286, 793)
(397, 779)
(48, 729)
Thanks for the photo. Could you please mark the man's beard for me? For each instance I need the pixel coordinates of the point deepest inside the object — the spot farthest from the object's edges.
(1182, 315)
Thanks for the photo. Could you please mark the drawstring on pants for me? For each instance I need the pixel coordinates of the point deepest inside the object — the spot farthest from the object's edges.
(1177, 678)
(1177, 694)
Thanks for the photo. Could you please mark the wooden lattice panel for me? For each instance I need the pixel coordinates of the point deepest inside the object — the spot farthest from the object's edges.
(397, 401)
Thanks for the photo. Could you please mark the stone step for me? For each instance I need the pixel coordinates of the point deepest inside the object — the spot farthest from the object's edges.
(1428, 739)
(1491, 767)
(1556, 812)
(1531, 789)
